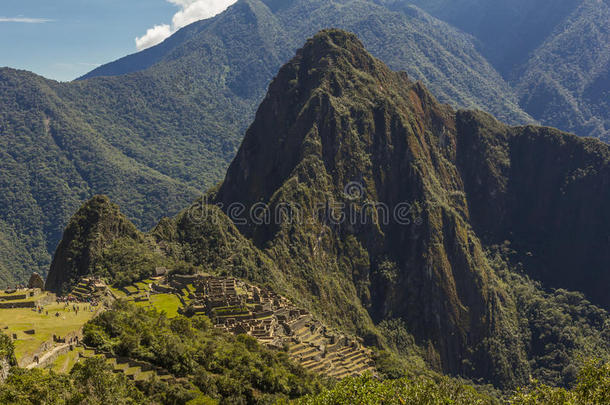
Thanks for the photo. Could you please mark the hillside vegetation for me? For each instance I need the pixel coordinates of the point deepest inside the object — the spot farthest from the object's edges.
(155, 129)
(556, 54)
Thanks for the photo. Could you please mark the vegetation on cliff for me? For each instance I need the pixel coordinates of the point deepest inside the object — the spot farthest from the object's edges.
(96, 225)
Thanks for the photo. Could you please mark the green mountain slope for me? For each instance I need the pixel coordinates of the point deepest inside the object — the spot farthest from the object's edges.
(363, 199)
(574, 94)
(335, 116)
(408, 39)
(555, 54)
(53, 158)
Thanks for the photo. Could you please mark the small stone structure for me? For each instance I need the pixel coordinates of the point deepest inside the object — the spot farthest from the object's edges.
(36, 281)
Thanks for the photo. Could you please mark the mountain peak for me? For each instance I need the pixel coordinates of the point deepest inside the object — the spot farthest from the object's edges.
(334, 49)
(332, 72)
(332, 40)
(95, 225)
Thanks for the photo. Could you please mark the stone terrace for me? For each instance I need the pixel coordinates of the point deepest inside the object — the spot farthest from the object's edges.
(241, 308)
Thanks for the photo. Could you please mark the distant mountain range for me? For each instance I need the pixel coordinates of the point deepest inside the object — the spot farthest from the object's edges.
(555, 54)
(155, 129)
(394, 217)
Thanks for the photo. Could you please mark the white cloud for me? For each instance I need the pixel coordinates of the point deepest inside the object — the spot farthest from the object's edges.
(190, 11)
(153, 36)
(26, 20)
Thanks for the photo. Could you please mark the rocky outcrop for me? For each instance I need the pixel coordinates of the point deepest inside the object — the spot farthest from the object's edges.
(544, 191)
(36, 281)
(96, 224)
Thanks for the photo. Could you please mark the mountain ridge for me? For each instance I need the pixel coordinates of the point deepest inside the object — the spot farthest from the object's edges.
(555, 55)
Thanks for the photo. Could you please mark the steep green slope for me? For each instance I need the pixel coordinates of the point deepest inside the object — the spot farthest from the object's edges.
(170, 118)
(410, 40)
(335, 116)
(555, 54)
(574, 94)
(544, 191)
(507, 30)
(426, 194)
(52, 158)
(96, 225)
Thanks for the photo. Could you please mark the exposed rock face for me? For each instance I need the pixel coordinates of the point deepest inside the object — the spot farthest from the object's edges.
(546, 192)
(7, 356)
(36, 281)
(5, 368)
(96, 224)
(334, 117)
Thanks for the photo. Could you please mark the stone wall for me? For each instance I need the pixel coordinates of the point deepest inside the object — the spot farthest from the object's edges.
(11, 305)
(5, 367)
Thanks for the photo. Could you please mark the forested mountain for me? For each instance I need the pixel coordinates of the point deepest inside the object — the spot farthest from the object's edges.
(53, 156)
(254, 37)
(394, 217)
(169, 121)
(556, 54)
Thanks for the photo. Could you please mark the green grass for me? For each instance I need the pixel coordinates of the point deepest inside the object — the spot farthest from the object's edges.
(142, 286)
(3, 294)
(131, 289)
(132, 370)
(22, 319)
(163, 302)
(65, 362)
(145, 375)
(118, 293)
(26, 299)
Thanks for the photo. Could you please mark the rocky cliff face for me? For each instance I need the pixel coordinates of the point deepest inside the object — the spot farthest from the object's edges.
(545, 192)
(96, 224)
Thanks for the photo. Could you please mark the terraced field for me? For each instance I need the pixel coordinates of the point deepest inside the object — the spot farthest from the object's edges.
(319, 354)
(135, 371)
(309, 342)
(65, 362)
(168, 303)
(141, 295)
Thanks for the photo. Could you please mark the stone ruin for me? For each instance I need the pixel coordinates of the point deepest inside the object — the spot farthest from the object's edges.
(36, 281)
(241, 308)
(89, 289)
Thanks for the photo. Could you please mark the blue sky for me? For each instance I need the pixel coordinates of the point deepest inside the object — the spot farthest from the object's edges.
(63, 39)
